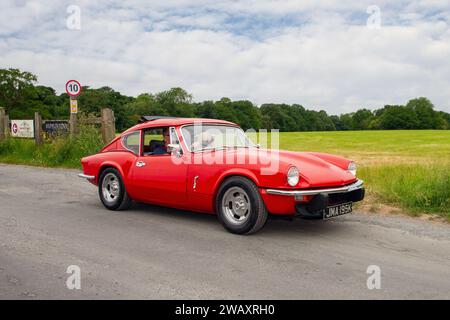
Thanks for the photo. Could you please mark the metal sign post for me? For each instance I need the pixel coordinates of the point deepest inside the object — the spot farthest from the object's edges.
(73, 89)
(73, 117)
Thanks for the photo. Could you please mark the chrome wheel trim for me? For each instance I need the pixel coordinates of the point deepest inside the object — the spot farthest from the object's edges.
(236, 205)
(110, 188)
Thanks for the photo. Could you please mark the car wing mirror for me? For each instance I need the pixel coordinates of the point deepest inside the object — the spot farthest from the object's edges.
(174, 149)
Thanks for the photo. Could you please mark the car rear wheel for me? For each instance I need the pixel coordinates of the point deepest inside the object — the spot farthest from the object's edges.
(112, 190)
(239, 206)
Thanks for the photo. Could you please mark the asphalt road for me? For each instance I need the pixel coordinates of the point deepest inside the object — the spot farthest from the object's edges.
(50, 219)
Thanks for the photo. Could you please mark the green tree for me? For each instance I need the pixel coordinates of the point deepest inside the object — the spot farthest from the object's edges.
(216, 110)
(397, 117)
(277, 117)
(21, 98)
(346, 121)
(427, 118)
(337, 122)
(176, 101)
(16, 88)
(297, 113)
(93, 100)
(249, 115)
(325, 123)
(445, 119)
(361, 119)
(144, 104)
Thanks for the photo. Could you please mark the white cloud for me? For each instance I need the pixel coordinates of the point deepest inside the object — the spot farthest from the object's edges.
(316, 53)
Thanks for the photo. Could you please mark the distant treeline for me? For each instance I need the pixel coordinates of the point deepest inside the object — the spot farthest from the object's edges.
(21, 97)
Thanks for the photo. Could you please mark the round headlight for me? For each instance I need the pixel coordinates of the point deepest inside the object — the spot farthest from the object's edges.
(352, 168)
(293, 176)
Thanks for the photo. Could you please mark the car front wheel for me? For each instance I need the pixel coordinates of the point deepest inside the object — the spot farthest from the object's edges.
(112, 190)
(239, 206)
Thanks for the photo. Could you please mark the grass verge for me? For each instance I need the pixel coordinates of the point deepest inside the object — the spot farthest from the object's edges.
(418, 188)
(62, 152)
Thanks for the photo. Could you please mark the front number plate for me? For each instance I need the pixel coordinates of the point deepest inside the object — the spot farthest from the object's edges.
(338, 210)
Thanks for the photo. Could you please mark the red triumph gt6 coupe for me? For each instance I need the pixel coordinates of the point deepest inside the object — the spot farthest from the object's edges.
(211, 166)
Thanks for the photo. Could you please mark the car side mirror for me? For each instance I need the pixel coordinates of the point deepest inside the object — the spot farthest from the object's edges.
(174, 149)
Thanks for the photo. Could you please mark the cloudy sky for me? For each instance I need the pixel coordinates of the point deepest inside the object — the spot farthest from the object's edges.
(333, 55)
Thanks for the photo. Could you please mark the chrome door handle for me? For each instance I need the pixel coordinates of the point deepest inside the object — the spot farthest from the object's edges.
(140, 164)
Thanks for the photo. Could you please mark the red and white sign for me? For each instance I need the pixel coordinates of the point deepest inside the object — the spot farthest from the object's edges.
(22, 128)
(73, 88)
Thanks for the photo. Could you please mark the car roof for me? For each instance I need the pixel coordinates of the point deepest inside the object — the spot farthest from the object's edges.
(169, 122)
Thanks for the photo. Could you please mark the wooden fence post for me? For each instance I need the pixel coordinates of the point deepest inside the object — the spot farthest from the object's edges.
(108, 125)
(37, 128)
(7, 127)
(2, 124)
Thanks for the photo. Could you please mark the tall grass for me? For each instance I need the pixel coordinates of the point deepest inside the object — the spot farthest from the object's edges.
(419, 188)
(60, 152)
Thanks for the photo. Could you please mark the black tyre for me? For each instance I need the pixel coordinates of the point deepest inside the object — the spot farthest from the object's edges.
(111, 190)
(239, 206)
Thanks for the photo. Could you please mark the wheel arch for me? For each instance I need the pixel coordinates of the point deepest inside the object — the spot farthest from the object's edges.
(229, 174)
(106, 165)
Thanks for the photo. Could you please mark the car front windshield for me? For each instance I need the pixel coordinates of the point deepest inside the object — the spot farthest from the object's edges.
(201, 137)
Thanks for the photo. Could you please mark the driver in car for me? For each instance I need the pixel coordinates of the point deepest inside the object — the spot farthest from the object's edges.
(162, 149)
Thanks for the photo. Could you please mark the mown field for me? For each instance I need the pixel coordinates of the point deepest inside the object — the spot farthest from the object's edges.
(407, 169)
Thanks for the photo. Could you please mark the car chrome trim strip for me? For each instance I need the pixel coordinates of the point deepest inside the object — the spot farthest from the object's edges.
(308, 192)
(85, 176)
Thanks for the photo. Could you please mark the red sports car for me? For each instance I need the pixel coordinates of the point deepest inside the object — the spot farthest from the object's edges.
(211, 166)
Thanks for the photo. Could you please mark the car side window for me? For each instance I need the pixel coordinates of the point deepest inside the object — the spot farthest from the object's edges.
(132, 141)
(156, 141)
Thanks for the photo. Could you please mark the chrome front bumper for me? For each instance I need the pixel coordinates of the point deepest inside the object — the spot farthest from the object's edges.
(85, 176)
(351, 187)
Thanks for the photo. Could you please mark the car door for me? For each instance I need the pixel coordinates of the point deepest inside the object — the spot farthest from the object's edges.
(160, 178)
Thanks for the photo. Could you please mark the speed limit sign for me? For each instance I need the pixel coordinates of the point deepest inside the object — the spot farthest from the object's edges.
(73, 88)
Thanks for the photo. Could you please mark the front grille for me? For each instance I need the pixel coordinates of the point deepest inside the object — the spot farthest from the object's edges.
(338, 198)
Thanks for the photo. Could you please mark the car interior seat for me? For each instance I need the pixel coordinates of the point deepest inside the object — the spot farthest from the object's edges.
(155, 144)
